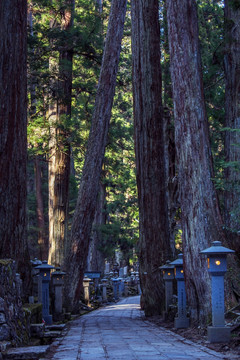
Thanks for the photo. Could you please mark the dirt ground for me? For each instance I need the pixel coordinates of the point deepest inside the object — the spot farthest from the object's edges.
(198, 335)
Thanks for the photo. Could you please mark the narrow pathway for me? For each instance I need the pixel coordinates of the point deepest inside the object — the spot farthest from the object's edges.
(119, 332)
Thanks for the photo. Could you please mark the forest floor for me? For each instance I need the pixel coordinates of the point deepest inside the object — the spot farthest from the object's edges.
(199, 335)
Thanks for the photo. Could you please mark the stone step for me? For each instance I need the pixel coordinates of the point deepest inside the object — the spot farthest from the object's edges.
(25, 353)
(55, 327)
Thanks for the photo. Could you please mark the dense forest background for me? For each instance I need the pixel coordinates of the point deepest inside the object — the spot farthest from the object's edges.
(132, 139)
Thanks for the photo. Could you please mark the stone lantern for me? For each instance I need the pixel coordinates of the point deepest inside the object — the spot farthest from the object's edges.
(181, 321)
(57, 283)
(37, 281)
(168, 277)
(217, 267)
(44, 272)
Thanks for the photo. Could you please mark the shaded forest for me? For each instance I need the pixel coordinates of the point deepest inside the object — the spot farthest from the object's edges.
(119, 139)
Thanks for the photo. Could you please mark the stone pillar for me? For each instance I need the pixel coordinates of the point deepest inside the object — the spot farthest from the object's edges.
(57, 283)
(115, 288)
(86, 285)
(104, 290)
(126, 288)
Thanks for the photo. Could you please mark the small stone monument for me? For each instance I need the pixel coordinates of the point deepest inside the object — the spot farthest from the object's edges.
(57, 282)
(104, 290)
(86, 285)
(44, 272)
(115, 288)
(126, 288)
(217, 267)
(181, 321)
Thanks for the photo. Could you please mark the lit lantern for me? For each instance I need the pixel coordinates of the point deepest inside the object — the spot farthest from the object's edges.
(181, 321)
(217, 267)
(168, 277)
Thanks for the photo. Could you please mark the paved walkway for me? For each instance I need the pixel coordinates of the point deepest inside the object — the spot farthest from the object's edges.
(119, 332)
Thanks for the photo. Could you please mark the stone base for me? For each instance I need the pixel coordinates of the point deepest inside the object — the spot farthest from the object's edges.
(48, 319)
(218, 334)
(181, 323)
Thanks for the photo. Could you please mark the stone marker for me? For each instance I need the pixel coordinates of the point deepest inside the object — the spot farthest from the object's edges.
(86, 284)
(57, 282)
(104, 290)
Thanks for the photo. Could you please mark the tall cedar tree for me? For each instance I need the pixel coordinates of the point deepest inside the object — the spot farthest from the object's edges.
(89, 184)
(59, 162)
(154, 243)
(200, 216)
(232, 116)
(13, 134)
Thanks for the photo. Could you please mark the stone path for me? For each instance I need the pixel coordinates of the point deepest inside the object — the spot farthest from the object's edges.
(119, 332)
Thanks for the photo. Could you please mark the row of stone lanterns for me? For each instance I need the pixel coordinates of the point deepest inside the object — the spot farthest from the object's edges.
(217, 267)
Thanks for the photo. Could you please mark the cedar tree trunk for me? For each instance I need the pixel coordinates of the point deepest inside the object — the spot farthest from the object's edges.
(232, 121)
(154, 244)
(59, 163)
(89, 184)
(200, 216)
(13, 134)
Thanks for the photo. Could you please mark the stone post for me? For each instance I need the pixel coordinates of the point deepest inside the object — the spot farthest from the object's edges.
(115, 288)
(57, 283)
(126, 288)
(86, 285)
(104, 290)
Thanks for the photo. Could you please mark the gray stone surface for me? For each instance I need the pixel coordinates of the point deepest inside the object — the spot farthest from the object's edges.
(120, 332)
(24, 353)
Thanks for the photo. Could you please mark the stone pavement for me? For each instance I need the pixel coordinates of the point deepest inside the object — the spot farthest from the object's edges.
(120, 332)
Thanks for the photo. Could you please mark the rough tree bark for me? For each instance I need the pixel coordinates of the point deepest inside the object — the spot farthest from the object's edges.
(60, 152)
(13, 134)
(89, 184)
(154, 243)
(232, 121)
(42, 238)
(200, 216)
(95, 257)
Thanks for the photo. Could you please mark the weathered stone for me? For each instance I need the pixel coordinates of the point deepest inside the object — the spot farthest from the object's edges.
(13, 324)
(1, 304)
(37, 330)
(4, 332)
(2, 318)
(24, 353)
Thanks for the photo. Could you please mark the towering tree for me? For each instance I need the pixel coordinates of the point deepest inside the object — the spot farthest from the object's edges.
(89, 184)
(59, 157)
(200, 217)
(13, 133)
(154, 244)
(232, 123)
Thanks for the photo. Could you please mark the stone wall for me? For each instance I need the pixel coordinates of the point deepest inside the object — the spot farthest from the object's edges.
(14, 325)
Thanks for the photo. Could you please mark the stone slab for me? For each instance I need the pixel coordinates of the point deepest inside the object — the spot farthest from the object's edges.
(24, 353)
(219, 334)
